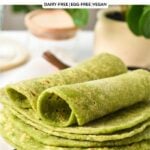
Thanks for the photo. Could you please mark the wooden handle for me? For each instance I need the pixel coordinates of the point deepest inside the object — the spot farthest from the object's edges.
(134, 68)
(54, 60)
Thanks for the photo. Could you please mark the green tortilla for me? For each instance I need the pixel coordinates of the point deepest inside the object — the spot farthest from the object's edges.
(101, 128)
(122, 134)
(25, 141)
(83, 102)
(25, 93)
(67, 111)
(50, 140)
(135, 113)
(132, 115)
(114, 122)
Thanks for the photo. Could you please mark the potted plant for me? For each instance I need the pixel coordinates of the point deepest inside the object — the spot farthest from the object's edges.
(125, 32)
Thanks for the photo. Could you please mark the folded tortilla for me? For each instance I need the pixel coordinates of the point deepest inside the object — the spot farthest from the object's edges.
(83, 102)
(25, 93)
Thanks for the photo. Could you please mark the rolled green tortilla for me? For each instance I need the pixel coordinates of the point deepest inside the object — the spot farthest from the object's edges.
(132, 116)
(136, 118)
(25, 93)
(83, 102)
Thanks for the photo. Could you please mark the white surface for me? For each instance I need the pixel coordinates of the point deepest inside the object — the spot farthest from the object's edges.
(71, 52)
(36, 67)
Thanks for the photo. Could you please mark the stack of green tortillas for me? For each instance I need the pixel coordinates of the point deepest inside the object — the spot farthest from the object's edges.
(96, 105)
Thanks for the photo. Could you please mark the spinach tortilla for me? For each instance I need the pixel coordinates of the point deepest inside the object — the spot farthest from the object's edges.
(83, 102)
(24, 141)
(118, 109)
(25, 93)
(50, 140)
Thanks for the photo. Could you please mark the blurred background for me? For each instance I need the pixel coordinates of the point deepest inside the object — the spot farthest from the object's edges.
(15, 21)
(27, 52)
(35, 41)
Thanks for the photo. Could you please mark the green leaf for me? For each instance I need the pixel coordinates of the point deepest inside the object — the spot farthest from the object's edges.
(80, 16)
(25, 8)
(144, 23)
(133, 16)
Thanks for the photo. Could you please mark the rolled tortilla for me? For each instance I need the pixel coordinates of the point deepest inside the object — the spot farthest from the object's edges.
(83, 102)
(25, 94)
(132, 116)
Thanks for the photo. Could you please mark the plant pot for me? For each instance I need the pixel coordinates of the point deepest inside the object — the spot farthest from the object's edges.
(114, 36)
